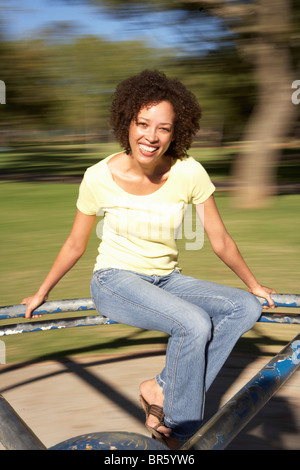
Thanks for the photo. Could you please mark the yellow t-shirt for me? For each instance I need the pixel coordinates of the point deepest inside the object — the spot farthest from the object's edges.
(139, 233)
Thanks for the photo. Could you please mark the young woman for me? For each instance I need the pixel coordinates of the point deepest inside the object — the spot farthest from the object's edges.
(143, 192)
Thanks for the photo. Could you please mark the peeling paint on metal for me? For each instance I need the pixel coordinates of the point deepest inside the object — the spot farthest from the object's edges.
(30, 327)
(110, 441)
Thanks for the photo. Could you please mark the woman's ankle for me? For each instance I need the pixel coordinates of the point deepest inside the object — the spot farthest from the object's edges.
(152, 392)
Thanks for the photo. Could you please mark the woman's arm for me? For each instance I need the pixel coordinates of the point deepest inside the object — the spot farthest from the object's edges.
(71, 251)
(226, 249)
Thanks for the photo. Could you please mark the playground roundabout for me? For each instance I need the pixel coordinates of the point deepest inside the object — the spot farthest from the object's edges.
(92, 402)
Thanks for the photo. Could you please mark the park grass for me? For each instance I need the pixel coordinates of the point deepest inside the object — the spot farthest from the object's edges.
(35, 220)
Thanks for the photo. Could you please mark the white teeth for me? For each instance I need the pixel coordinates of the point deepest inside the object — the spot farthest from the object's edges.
(147, 149)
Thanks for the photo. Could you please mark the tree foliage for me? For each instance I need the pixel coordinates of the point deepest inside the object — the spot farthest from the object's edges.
(54, 85)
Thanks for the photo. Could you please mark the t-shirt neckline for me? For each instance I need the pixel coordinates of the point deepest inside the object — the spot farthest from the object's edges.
(160, 189)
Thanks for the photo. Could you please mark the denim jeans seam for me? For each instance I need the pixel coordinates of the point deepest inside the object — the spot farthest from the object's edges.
(221, 323)
(227, 317)
(173, 375)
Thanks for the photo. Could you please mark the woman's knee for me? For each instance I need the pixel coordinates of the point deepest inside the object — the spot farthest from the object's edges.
(254, 305)
(251, 308)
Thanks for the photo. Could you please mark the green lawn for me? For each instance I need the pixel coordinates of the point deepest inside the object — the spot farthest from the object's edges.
(36, 218)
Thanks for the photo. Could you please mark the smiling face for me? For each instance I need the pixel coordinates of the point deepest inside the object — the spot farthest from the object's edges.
(151, 133)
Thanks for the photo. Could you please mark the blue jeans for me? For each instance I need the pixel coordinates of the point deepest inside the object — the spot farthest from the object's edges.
(203, 319)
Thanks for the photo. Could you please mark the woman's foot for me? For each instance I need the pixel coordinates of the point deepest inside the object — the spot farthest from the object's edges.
(152, 394)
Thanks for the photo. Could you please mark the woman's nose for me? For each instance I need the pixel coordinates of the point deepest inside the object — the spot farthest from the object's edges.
(151, 135)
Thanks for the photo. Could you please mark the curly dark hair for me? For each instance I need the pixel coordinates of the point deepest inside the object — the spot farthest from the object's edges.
(150, 88)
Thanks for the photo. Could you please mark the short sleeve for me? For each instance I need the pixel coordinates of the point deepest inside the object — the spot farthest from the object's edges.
(202, 186)
(86, 201)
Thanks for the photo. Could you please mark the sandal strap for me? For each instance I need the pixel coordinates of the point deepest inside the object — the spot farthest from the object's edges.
(156, 411)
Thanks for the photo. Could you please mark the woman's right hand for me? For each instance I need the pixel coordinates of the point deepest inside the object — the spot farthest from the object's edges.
(33, 302)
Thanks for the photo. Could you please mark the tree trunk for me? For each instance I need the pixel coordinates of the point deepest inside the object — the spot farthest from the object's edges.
(256, 166)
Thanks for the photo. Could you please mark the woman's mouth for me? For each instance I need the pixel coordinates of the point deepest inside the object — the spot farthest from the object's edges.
(147, 149)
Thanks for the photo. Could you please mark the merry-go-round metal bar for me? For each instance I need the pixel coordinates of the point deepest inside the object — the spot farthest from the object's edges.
(86, 304)
(94, 320)
(51, 306)
(225, 425)
(14, 432)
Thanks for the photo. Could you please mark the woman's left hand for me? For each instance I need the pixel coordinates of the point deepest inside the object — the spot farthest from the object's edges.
(265, 293)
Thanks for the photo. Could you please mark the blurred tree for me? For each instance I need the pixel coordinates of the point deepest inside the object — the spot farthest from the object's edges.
(262, 32)
(28, 98)
(224, 87)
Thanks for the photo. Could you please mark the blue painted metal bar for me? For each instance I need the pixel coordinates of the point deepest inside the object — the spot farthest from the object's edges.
(224, 426)
(283, 300)
(56, 324)
(14, 433)
(94, 320)
(85, 304)
(280, 318)
(52, 306)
